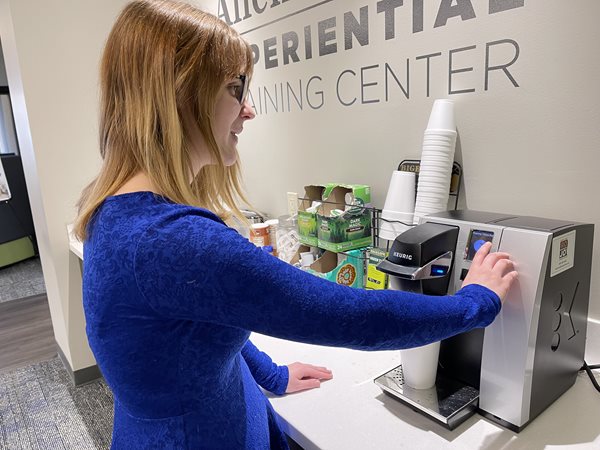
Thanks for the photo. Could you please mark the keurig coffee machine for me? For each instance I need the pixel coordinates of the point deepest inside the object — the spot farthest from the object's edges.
(516, 367)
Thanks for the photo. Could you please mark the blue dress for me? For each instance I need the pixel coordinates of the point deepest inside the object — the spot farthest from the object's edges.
(171, 295)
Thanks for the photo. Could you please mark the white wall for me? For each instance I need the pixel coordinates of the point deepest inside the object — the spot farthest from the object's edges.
(51, 51)
(531, 149)
(526, 150)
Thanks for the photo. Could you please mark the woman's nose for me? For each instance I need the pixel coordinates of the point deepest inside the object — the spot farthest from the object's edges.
(247, 111)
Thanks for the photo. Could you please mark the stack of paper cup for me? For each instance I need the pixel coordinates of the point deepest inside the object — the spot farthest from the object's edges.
(437, 159)
(397, 214)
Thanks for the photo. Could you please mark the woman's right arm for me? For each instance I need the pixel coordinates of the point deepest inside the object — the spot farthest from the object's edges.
(190, 269)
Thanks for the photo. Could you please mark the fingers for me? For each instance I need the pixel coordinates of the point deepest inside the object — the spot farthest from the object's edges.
(493, 258)
(311, 383)
(504, 266)
(511, 277)
(305, 376)
(483, 251)
(315, 372)
(302, 385)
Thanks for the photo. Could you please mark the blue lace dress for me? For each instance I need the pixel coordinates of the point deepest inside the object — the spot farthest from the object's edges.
(171, 295)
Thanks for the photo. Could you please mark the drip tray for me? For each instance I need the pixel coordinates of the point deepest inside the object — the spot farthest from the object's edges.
(449, 402)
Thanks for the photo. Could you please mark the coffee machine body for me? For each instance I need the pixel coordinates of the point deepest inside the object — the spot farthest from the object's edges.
(533, 350)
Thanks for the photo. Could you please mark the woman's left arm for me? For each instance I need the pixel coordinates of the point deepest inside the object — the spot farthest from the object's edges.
(266, 373)
(282, 379)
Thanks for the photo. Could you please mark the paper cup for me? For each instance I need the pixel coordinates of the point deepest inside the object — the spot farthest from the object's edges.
(439, 140)
(431, 150)
(428, 208)
(430, 195)
(431, 163)
(438, 192)
(433, 132)
(393, 224)
(425, 209)
(442, 116)
(441, 179)
(401, 192)
(419, 365)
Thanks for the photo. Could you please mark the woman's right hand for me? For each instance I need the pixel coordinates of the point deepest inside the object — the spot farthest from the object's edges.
(495, 271)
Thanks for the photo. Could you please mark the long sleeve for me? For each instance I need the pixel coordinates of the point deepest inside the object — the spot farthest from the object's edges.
(188, 266)
(171, 295)
(266, 373)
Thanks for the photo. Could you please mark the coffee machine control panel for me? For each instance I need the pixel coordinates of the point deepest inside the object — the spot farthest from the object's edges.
(477, 238)
(471, 237)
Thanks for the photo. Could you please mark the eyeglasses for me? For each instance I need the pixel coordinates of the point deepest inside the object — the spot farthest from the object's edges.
(242, 91)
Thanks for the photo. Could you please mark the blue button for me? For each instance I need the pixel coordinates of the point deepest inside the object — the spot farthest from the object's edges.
(478, 243)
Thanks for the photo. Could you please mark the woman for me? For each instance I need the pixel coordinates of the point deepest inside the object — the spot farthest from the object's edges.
(171, 293)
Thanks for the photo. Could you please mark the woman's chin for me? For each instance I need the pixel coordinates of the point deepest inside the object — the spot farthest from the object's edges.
(230, 157)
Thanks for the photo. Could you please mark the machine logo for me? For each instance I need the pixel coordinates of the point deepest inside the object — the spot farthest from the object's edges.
(403, 256)
(563, 248)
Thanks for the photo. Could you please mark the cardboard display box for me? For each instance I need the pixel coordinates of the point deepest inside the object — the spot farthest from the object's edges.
(348, 272)
(375, 278)
(344, 219)
(307, 221)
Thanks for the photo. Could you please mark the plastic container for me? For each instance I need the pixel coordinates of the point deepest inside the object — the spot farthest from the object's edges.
(259, 234)
(273, 226)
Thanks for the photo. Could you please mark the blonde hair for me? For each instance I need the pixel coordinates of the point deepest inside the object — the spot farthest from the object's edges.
(162, 58)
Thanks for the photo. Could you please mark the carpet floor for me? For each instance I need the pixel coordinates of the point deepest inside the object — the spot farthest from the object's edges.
(41, 409)
(21, 280)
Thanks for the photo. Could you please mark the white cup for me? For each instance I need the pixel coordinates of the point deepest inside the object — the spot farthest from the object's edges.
(441, 132)
(439, 140)
(440, 191)
(441, 180)
(436, 152)
(436, 174)
(428, 208)
(393, 224)
(425, 205)
(419, 365)
(429, 194)
(442, 116)
(401, 192)
(432, 164)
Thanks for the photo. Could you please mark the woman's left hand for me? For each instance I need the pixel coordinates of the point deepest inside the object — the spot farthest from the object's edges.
(305, 376)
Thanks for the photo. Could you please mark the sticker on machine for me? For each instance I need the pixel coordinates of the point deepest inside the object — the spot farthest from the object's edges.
(563, 253)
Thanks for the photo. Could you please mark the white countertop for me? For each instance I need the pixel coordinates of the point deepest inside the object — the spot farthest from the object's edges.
(351, 412)
(75, 245)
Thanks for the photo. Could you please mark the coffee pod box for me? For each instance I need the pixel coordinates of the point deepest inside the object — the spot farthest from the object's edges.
(375, 278)
(307, 218)
(347, 271)
(344, 220)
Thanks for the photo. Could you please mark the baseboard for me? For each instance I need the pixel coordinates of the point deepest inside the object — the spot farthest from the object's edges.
(81, 376)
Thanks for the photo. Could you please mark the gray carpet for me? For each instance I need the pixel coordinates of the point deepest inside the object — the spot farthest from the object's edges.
(41, 409)
(21, 280)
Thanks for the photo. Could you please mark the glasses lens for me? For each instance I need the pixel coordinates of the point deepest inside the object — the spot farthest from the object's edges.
(244, 89)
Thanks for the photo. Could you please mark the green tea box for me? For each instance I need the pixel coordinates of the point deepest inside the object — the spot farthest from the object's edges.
(307, 214)
(344, 218)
